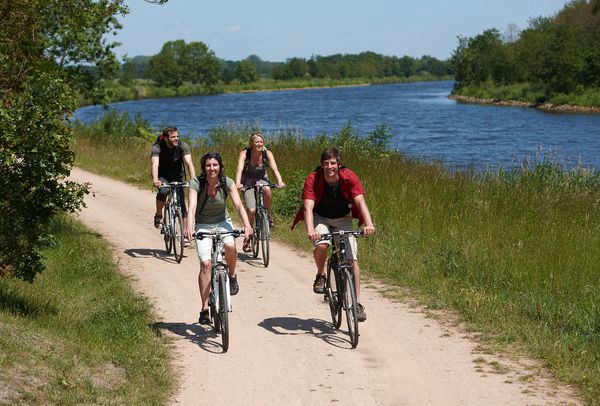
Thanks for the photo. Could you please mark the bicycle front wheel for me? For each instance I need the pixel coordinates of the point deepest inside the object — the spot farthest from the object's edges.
(333, 295)
(178, 239)
(265, 237)
(224, 312)
(166, 227)
(256, 235)
(350, 307)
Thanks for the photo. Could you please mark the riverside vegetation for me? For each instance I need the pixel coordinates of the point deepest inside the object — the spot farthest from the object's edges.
(515, 252)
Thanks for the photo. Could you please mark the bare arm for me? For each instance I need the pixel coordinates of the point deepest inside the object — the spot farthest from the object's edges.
(191, 217)
(361, 203)
(237, 203)
(273, 166)
(155, 181)
(240, 168)
(309, 219)
(190, 165)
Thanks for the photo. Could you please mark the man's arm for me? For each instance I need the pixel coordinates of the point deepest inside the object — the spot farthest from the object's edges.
(309, 219)
(190, 165)
(155, 179)
(361, 203)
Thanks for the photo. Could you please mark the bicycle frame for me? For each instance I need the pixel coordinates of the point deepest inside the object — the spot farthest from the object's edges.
(342, 295)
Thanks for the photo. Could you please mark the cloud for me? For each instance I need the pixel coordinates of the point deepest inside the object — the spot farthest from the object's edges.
(233, 29)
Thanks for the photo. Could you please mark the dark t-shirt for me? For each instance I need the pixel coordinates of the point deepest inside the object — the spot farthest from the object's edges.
(170, 160)
(332, 204)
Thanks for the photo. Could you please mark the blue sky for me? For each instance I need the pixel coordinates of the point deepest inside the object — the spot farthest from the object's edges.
(279, 29)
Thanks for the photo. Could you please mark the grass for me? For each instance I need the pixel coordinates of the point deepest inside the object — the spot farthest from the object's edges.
(78, 334)
(515, 251)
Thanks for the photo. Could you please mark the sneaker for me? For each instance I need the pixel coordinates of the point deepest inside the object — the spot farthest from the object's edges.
(186, 242)
(319, 285)
(157, 221)
(360, 312)
(234, 288)
(204, 317)
(246, 247)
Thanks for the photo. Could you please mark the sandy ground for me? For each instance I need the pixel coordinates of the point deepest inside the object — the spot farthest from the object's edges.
(283, 349)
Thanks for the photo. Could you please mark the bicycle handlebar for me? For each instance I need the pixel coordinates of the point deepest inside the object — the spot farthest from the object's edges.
(341, 233)
(261, 184)
(174, 184)
(217, 234)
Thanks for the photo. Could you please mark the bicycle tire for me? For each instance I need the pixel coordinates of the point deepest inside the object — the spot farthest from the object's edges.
(256, 235)
(350, 307)
(213, 310)
(167, 229)
(332, 295)
(265, 237)
(224, 312)
(178, 239)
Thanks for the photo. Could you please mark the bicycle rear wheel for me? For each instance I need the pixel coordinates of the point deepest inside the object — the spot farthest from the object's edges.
(350, 307)
(178, 240)
(265, 237)
(224, 312)
(333, 295)
(166, 227)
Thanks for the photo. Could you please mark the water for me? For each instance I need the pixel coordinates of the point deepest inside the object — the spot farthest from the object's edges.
(424, 122)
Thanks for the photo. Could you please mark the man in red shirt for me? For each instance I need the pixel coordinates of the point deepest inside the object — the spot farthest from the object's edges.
(332, 197)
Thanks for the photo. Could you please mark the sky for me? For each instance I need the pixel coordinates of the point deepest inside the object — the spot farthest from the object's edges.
(276, 30)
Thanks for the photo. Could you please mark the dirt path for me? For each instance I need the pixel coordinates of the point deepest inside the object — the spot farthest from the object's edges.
(283, 349)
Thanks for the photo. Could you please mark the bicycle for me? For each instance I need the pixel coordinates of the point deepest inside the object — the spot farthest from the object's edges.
(340, 291)
(262, 228)
(172, 224)
(219, 298)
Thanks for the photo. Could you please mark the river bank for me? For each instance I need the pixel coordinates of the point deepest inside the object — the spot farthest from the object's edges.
(546, 107)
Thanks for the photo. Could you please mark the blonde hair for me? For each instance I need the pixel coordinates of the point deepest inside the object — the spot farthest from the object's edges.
(251, 139)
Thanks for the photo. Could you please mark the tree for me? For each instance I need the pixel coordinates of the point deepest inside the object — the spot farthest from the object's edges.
(178, 62)
(43, 45)
(245, 72)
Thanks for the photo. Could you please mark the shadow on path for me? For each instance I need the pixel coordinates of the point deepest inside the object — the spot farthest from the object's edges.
(296, 326)
(204, 337)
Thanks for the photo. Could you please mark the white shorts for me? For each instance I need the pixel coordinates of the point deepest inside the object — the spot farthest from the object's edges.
(204, 246)
(324, 225)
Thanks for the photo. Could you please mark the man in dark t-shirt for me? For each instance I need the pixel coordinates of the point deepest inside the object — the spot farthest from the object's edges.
(168, 158)
(332, 197)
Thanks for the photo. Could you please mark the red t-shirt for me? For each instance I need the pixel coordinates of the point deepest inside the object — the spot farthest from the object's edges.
(313, 190)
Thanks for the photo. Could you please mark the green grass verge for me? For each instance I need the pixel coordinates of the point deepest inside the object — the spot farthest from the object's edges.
(515, 252)
(79, 334)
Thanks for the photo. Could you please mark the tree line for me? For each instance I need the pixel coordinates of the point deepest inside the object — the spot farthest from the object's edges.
(559, 54)
(179, 62)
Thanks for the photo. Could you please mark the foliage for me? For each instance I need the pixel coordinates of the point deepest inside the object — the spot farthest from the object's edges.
(178, 62)
(113, 126)
(42, 50)
(245, 72)
(559, 54)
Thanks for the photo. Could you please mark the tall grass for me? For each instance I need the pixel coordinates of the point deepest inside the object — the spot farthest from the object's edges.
(514, 251)
(78, 334)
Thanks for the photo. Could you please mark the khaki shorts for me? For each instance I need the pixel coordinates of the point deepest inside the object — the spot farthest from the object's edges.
(249, 197)
(324, 225)
(204, 246)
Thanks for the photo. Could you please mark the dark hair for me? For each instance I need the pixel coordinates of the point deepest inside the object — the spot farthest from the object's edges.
(168, 130)
(331, 153)
(211, 155)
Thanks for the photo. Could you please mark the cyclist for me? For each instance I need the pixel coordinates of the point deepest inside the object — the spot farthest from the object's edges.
(332, 196)
(252, 167)
(168, 156)
(208, 212)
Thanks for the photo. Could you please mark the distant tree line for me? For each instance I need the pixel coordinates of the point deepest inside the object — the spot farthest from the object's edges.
(194, 62)
(560, 54)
